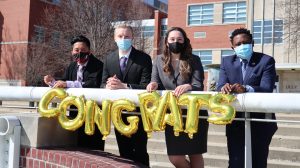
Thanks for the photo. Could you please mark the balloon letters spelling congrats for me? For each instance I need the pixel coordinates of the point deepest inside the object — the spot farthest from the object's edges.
(156, 112)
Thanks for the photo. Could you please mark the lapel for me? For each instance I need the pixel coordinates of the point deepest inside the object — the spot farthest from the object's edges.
(176, 74)
(129, 63)
(252, 63)
(74, 72)
(87, 68)
(115, 65)
(237, 70)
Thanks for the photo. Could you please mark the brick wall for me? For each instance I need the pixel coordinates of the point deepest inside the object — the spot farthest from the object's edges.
(71, 157)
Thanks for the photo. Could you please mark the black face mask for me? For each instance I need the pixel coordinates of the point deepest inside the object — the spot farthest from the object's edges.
(176, 47)
(81, 57)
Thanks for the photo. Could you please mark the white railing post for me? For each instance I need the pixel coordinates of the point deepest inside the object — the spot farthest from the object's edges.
(248, 151)
(10, 131)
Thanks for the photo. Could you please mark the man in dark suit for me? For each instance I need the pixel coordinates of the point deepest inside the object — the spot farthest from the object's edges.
(84, 72)
(247, 71)
(128, 68)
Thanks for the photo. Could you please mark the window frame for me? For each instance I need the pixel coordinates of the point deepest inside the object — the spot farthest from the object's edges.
(258, 34)
(199, 14)
(204, 61)
(236, 12)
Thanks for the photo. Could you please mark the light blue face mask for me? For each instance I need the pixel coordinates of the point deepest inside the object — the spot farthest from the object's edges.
(244, 51)
(124, 44)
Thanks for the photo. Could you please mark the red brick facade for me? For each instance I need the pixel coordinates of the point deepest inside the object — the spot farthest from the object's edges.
(216, 35)
(75, 158)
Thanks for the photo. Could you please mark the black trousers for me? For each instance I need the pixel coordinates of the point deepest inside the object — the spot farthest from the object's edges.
(93, 142)
(261, 136)
(135, 147)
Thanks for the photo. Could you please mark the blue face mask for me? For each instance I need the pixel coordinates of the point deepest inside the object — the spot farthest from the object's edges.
(244, 51)
(124, 44)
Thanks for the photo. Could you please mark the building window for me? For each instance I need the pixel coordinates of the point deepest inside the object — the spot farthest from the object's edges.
(148, 31)
(205, 56)
(199, 34)
(39, 34)
(200, 14)
(234, 12)
(163, 31)
(225, 53)
(55, 2)
(267, 27)
(55, 38)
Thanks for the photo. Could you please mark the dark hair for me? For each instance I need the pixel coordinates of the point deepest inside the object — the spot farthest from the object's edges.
(185, 68)
(240, 31)
(81, 38)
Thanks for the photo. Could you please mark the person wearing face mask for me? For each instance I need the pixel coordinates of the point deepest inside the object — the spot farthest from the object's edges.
(179, 70)
(84, 72)
(128, 68)
(247, 71)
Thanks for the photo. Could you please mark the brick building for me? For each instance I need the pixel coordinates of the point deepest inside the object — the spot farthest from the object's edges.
(17, 20)
(19, 23)
(209, 24)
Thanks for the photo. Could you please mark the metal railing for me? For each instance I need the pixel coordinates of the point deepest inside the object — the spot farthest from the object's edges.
(248, 102)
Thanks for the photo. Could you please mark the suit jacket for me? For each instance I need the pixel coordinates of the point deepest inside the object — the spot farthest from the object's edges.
(260, 74)
(138, 69)
(92, 73)
(170, 82)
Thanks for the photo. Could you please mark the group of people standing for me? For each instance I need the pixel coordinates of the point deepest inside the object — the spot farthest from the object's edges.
(179, 70)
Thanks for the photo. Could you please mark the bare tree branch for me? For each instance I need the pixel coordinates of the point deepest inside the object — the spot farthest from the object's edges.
(93, 18)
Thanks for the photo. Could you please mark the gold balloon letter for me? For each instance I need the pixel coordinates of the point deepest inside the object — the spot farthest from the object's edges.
(194, 102)
(175, 117)
(219, 103)
(72, 124)
(156, 117)
(148, 106)
(133, 121)
(160, 118)
(47, 98)
(101, 117)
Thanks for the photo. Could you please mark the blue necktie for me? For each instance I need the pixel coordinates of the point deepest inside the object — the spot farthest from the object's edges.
(244, 67)
(123, 61)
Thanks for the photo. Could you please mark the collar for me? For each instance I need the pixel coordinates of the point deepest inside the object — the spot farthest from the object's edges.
(84, 63)
(241, 60)
(126, 55)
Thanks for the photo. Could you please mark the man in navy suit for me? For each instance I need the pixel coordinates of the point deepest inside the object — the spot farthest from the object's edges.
(247, 71)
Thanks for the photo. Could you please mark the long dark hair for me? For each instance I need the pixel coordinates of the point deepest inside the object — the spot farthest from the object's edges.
(185, 58)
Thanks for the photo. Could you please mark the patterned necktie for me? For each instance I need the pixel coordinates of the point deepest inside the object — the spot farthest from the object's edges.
(80, 73)
(244, 67)
(123, 62)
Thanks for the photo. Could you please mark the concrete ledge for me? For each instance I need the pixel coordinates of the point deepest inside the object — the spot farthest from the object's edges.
(39, 132)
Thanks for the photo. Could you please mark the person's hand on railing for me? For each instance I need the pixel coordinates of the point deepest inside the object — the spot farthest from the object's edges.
(238, 88)
(48, 79)
(226, 89)
(235, 88)
(115, 83)
(152, 86)
(60, 84)
(179, 90)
